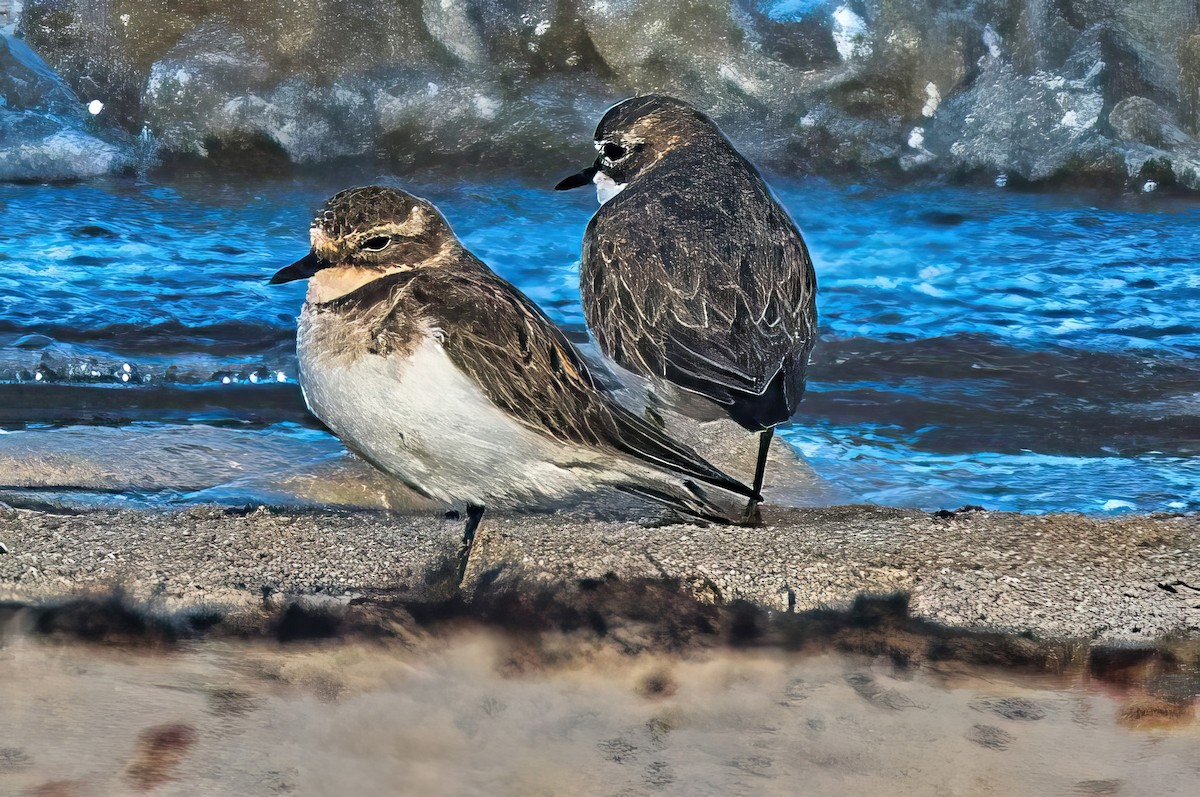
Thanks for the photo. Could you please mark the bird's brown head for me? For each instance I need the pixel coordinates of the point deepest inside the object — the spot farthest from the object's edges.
(636, 135)
(362, 234)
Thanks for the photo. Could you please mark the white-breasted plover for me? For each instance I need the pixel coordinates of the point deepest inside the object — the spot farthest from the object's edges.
(442, 374)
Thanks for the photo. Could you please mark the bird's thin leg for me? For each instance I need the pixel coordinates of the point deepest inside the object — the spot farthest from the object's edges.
(474, 515)
(753, 516)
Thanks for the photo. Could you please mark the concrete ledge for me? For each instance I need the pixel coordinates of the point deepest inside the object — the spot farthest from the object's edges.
(1063, 576)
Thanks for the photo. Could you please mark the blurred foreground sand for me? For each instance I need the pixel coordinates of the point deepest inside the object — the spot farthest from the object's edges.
(476, 713)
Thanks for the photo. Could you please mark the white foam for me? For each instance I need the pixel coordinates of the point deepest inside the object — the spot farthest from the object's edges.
(850, 34)
(933, 98)
(487, 107)
(992, 40)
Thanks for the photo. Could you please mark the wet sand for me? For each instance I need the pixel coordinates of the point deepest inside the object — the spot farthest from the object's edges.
(1133, 578)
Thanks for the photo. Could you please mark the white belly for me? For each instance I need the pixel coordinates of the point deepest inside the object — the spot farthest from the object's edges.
(421, 419)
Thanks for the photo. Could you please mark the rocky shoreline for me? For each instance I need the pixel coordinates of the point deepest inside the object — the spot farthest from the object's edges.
(1101, 93)
(1130, 579)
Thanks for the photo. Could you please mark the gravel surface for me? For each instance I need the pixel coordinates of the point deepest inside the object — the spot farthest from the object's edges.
(210, 555)
(1125, 578)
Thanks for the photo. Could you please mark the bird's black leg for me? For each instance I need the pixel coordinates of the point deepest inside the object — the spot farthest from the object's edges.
(474, 515)
(753, 516)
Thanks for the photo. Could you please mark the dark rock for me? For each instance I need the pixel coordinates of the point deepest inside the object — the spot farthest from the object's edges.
(45, 132)
(1041, 92)
(13, 759)
(1137, 120)
(1189, 81)
(990, 736)
(27, 83)
(1021, 125)
(1010, 708)
(33, 342)
(868, 689)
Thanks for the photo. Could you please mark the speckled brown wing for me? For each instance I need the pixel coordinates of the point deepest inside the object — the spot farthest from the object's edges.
(525, 365)
(698, 276)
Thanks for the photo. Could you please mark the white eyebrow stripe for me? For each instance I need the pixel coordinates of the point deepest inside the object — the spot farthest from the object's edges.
(405, 229)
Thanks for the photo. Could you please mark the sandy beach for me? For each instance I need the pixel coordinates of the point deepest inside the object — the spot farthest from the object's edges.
(209, 651)
(1062, 576)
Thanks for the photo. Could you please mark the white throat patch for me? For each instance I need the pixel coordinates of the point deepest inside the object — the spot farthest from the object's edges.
(331, 283)
(606, 187)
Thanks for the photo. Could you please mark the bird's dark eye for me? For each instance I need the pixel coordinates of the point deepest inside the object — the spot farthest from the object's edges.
(613, 152)
(376, 244)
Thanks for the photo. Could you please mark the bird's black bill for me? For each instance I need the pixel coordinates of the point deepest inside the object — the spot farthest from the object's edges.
(579, 179)
(302, 269)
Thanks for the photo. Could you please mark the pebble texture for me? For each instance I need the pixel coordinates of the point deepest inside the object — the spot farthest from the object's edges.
(1125, 578)
(205, 555)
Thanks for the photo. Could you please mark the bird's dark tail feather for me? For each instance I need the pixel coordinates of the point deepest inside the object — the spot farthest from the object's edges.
(698, 509)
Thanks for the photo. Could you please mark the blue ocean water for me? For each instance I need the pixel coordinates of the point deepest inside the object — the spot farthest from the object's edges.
(1033, 352)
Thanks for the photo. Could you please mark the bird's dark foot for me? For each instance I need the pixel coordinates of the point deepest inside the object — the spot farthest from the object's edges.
(474, 515)
(753, 515)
